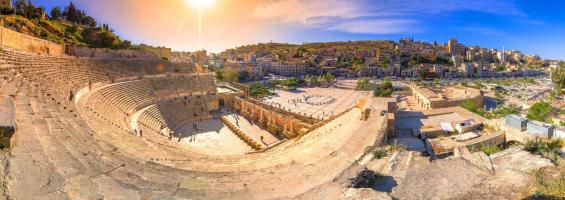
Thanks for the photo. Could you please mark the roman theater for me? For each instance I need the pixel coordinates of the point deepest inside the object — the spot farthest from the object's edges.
(151, 129)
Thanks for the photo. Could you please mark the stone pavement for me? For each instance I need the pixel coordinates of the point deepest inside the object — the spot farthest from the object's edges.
(295, 101)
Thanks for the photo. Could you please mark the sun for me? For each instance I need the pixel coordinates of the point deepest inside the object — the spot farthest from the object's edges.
(201, 3)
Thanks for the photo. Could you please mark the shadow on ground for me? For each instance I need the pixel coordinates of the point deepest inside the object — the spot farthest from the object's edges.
(371, 179)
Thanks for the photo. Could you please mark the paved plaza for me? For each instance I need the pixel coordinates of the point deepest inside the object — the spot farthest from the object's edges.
(320, 103)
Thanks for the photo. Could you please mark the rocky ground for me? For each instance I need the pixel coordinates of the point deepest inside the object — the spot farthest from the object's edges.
(409, 175)
(3, 167)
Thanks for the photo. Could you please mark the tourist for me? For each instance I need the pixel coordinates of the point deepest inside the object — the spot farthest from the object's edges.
(71, 95)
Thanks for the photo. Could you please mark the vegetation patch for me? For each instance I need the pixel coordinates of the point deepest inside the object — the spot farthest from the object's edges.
(503, 111)
(258, 90)
(69, 25)
(363, 84)
(380, 153)
(487, 149)
(471, 106)
(549, 149)
(397, 146)
(540, 111)
(385, 89)
(548, 187)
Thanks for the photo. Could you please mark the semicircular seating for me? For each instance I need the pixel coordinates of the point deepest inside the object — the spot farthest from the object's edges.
(86, 150)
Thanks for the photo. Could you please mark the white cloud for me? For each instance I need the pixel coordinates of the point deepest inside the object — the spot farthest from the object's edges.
(377, 26)
(304, 10)
(371, 16)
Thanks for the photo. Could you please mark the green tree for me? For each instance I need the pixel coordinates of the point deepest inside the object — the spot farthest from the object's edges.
(540, 111)
(26, 9)
(126, 44)
(273, 83)
(55, 13)
(231, 76)
(356, 67)
(385, 89)
(244, 76)
(258, 90)
(558, 79)
(220, 75)
(411, 63)
(6, 11)
(387, 83)
(422, 74)
(290, 83)
(88, 21)
(71, 13)
(21, 7)
(385, 63)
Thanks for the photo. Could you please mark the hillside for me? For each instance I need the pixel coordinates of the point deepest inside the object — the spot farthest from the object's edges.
(62, 31)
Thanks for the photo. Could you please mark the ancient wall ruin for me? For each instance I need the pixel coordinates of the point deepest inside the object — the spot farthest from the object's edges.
(429, 99)
(161, 52)
(25, 42)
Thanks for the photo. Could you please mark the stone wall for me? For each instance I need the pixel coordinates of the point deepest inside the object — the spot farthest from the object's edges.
(85, 52)
(28, 43)
(428, 99)
(161, 52)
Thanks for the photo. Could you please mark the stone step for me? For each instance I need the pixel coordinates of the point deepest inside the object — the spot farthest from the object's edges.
(36, 175)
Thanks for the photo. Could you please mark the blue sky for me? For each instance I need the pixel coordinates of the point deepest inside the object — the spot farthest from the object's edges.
(534, 27)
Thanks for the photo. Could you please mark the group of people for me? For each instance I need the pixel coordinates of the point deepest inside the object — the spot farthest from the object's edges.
(328, 100)
(138, 133)
(166, 131)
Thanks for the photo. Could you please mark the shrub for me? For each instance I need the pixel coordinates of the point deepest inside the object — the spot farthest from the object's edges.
(363, 84)
(379, 153)
(384, 89)
(397, 146)
(548, 149)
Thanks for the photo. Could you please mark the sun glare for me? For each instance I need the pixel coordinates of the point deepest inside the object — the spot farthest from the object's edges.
(201, 3)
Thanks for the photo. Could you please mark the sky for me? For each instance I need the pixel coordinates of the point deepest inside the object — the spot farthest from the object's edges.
(531, 26)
